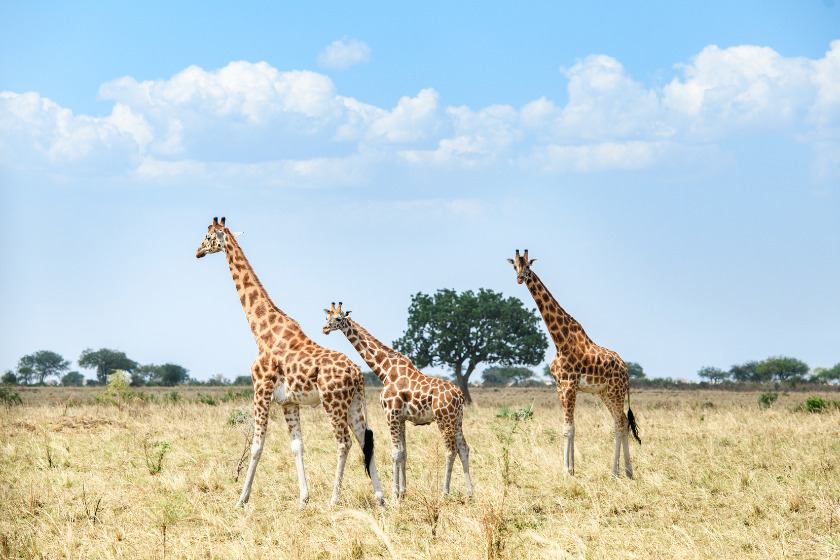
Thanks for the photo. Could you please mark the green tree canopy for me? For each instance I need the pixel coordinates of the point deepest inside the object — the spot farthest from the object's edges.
(713, 374)
(506, 375)
(782, 368)
(166, 374)
(43, 364)
(745, 372)
(464, 330)
(73, 379)
(635, 370)
(828, 375)
(9, 378)
(371, 379)
(25, 375)
(106, 362)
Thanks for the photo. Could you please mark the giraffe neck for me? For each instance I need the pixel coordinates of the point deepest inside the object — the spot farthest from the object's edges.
(568, 335)
(269, 325)
(375, 354)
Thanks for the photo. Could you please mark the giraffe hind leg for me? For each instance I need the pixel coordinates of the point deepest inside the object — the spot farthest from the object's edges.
(261, 404)
(356, 420)
(292, 416)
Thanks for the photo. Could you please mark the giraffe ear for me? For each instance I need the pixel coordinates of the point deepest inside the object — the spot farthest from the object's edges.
(327, 311)
(236, 234)
(347, 313)
(532, 262)
(511, 262)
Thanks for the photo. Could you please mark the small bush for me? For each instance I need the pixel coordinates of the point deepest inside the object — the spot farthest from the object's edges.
(238, 416)
(153, 452)
(817, 405)
(173, 397)
(207, 399)
(118, 391)
(10, 398)
(767, 399)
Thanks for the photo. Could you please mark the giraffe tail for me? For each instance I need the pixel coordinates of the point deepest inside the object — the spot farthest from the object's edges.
(367, 446)
(367, 449)
(631, 421)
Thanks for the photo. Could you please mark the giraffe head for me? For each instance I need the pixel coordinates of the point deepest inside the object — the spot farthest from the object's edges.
(215, 239)
(522, 266)
(336, 318)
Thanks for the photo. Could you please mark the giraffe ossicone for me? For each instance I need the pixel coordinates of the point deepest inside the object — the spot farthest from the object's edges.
(292, 370)
(581, 365)
(408, 395)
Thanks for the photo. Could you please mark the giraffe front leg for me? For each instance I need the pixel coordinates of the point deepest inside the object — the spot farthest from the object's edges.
(291, 414)
(396, 451)
(567, 400)
(261, 404)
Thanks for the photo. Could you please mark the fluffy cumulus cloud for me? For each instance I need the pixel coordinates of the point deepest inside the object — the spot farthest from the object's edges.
(343, 54)
(293, 128)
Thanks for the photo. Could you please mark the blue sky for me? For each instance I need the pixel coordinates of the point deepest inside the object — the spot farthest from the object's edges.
(673, 168)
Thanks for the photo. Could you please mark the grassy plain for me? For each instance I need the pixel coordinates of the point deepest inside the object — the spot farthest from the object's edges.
(716, 477)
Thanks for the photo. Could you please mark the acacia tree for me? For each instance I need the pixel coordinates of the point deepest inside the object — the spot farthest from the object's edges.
(783, 368)
(635, 370)
(506, 375)
(713, 374)
(43, 364)
(167, 374)
(744, 372)
(106, 362)
(461, 331)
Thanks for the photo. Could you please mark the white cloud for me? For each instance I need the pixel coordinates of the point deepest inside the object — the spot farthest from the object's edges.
(413, 119)
(739, 89)
(294, 128)
(343, 54)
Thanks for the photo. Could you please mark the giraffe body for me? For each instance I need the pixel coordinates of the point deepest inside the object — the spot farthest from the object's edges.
(408, 395)
(293, 371)
(581, 365)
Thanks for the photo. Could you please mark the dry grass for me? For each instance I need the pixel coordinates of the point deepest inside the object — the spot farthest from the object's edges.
(716, 477)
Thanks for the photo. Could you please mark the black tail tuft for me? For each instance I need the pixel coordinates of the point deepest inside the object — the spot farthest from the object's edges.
(367, 449)
(632, 422)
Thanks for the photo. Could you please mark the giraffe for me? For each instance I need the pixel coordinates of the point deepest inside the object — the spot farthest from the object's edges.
(408, 395)
(292, 370)
(581, 365)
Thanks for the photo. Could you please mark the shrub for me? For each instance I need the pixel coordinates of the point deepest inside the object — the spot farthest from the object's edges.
(238, 416)
(10, 398)
(767, 399)
(118, 391)
(818, 405)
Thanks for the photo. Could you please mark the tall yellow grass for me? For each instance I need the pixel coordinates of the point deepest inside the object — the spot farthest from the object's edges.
(716, 477)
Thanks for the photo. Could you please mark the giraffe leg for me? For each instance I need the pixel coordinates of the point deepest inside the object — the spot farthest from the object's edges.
(262, 400)
(403, 460)
(291, 414)
(614, 400)
(356, 420)
(451, 450)
(568, 393)
(337, 413)
(628, 468)
(464, 454)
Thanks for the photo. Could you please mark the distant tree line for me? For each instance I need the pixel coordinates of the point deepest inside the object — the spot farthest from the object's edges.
(778, 369)
(44, 366)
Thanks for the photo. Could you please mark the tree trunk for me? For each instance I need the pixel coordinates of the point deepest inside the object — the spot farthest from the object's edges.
(462, 382)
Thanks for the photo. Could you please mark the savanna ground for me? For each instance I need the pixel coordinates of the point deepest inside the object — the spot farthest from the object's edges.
(716, 477)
